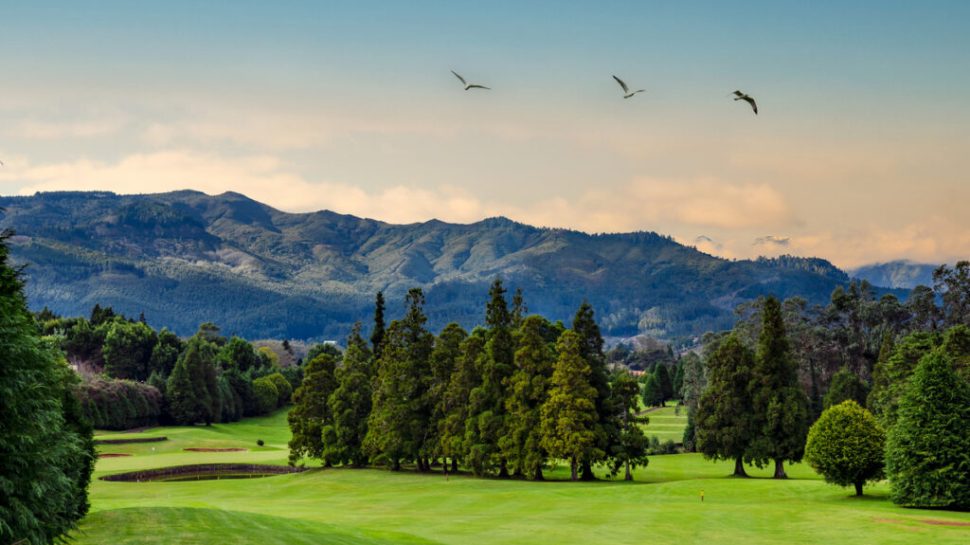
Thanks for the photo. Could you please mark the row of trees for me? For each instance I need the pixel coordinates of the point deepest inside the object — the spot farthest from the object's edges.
(504, 400)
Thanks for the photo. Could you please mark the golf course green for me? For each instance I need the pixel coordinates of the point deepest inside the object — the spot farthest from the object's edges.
(364, 506)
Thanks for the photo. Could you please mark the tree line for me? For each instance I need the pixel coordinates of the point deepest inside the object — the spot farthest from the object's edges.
(506, 399)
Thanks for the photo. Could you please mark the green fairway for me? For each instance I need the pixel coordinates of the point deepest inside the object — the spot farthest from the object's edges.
(667, 422)
(346, 506)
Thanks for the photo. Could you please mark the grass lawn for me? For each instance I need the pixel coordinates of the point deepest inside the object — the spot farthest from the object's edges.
(667, 422)
(346, 506)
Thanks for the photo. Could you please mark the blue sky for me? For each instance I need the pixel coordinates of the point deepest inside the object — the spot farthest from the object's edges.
(860, 152)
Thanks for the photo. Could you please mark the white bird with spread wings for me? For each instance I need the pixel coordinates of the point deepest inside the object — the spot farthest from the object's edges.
(469, 85)
(626, 90)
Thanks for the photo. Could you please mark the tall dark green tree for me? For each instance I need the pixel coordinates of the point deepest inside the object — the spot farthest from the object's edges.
(238, 353)
(724, 425)
(631, 450)
(528, 389)
(128, 349)
(779, 403)
(192, 389)
(678, 380)
(653, 395)
(568, 416)
(397, 429)
(165, 353)
(695, 382)
(455, 405)
(486, 425)
(445, 360)
(928, 449)
(607, 416)
(891, 375)
(350, 405)
(665, 382)
(46, 451)
(377, 335)
(311, 409)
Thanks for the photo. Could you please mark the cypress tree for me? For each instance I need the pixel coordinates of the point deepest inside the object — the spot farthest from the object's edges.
(455, 405)
(528, 388)
(444, 361)
(311, 410)
(724, 425)
(928, 450)
(377, 336)
(780, 405)
(192, 388)
(891, 375)
(607, 417)
(665, 383)
(678, 381)
(631, 451)
(350, 405)
(568, 416)
(652, 392)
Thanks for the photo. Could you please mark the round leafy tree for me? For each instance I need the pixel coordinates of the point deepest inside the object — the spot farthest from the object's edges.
(928, 451)
(846, 446)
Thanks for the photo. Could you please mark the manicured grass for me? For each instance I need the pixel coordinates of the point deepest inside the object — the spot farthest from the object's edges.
(347, 506)
(667, 422)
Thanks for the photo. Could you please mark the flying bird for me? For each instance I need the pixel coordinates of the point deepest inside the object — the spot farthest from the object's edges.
(626, 90)
(738, 95)
(469, 85)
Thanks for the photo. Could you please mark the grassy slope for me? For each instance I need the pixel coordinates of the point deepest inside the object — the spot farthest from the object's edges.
(666, 423)
(374, 506)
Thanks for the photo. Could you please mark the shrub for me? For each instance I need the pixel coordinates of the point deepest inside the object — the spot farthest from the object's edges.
(119, 404)
(846, 446)
(260, 442)
(283, 388)
(265, 395)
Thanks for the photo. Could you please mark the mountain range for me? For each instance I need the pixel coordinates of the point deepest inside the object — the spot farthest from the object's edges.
(185, 257)
(903, 274)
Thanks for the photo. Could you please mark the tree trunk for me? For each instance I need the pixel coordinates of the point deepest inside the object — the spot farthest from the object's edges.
(629, 474)
(573, 468)
(503, 470)
(538, 474)
(454, 465)
(780, 469)
(739, 468)
(588, 472)
(858, 488)
(396, 465)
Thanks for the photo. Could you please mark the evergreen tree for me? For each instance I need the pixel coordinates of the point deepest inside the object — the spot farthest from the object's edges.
(46, 449)
(486, 423)
(652, 392)
(238, 353)
(607, 415)
(377, 336)
(165, 353)
(891, 375)
(519, 310)
(928, 450)
(568, 416)
(127, 350)
(631, 451)
(265, 396)
(455, 407)
(397, 428)
(846, 446)
(444, 361)
(724, 425)
(695, 381)
(845, 385)
(192, 388)
(665, 383)
(528, 388)
(350, 404)
(678, 381)
(311, 408)
(780, 405)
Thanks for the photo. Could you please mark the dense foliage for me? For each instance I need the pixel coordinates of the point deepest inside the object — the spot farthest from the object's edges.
(846, 446)
(117, 404)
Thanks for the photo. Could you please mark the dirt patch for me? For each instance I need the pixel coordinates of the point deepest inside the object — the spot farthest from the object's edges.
(112, 455)
(938, 522)
(199, 472)
(201, 449)
(129, 441)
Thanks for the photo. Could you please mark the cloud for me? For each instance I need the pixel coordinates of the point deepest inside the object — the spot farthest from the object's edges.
(771, 240)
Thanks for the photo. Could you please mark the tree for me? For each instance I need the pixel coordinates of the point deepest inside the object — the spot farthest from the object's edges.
(653, 395)
(486, 425)
(528, 386)
(568, 416)
(266, 397)
(678, 381)
(778, 401)
(845, 385)
(631, 451)
(952, 286)
(891, 375)
(695, 381)
(928, 450)
(607, 417)
(665, 383)
(724, 424)
(238, 353)
(192, 388)
(128, 349)
(46, 448)
(165, 353)
(455, 405)
(845, 445)
(444, 361)
(397, 428)
(283, 388)
(377, 336)
(350, 405)
(311, 409)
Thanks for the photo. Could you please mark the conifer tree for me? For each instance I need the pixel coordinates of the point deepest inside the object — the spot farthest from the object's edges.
(377, 336)
(350, 405)
(192, 388)
(724, 424)
(528, 388)
(652, 392)
(631, 450)
(607, 415)
(311, 410)
(445, 360)
(780, 405)
(568, 416)
(845, 385)
(665, 383)
(455, 405)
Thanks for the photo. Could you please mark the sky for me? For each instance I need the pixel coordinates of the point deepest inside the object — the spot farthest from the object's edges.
(860, 152)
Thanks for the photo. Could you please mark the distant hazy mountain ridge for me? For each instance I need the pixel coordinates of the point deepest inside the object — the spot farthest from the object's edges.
(903, 274)
(186, 257)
